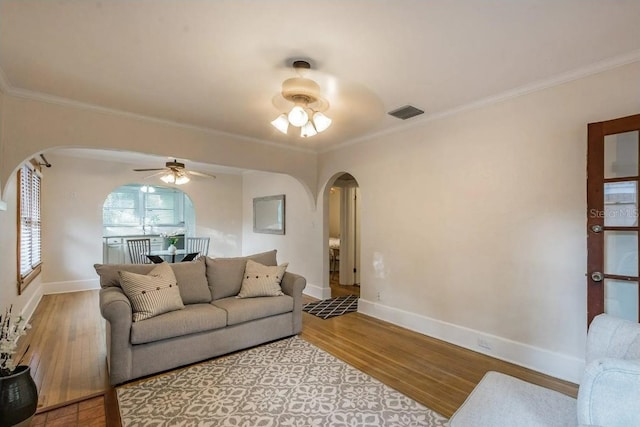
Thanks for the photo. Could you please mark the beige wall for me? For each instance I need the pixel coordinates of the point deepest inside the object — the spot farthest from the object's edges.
(301, 245)
(473, 226)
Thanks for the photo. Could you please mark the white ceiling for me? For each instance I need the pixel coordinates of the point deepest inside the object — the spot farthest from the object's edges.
(219, 64)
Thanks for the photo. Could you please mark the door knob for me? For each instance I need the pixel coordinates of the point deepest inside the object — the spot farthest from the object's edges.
(596, 276)
(596, 228)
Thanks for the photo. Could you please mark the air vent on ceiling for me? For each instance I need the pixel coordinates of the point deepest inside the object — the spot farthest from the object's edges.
(406, 112)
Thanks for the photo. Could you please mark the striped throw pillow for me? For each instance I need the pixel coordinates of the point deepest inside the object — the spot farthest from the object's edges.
(151, 294)
(261, 280)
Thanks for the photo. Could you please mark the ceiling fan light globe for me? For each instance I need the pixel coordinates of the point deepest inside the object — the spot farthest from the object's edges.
(321, 122)
(183, 179)
(168, 178)
(297, 116)
(281, 123)
(308, 130)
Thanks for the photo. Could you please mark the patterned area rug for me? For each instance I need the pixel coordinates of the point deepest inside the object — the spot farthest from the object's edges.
(333, 307)
(285, 383)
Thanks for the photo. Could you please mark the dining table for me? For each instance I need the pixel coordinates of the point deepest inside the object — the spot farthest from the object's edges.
(167, 253)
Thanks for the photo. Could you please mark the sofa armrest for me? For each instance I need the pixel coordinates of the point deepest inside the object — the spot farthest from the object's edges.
(115, 307)
(114, 304)
(609, 393)
(293, 284)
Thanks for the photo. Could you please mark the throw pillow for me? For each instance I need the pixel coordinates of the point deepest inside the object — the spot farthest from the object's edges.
(151, 294)
(110, 273)
(262, 280)
(192, 281)
(225, 274)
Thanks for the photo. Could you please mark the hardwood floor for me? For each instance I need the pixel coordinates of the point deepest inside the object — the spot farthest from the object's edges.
(67, 356)
(86, 413)
(67, 350)
(338, 290)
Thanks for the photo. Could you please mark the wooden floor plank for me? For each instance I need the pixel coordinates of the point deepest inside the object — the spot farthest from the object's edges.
(67, 356)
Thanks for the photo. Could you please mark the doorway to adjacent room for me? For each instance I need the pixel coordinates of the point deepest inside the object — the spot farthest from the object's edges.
(344, 236)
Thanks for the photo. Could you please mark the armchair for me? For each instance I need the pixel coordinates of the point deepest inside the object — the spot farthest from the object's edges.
(608, 396)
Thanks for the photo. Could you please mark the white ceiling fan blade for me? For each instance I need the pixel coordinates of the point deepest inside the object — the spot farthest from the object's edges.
(162, 172)
(202, 174)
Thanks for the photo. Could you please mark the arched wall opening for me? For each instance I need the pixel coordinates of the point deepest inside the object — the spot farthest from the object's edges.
(342, 234)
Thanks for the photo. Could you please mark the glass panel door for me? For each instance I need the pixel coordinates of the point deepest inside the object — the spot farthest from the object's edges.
(621, 299)
(613, 159)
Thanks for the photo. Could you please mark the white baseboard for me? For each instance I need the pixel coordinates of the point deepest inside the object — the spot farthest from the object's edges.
(70, 286)
(316, 291)
(30, 307)
(555, 364)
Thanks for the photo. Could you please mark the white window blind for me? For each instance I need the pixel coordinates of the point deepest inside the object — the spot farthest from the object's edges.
(30, 221)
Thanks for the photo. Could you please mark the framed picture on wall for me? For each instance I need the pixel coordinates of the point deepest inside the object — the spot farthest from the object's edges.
(269, 214)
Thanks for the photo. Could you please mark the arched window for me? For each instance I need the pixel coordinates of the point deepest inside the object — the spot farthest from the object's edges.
(141, 210)
(144, 209)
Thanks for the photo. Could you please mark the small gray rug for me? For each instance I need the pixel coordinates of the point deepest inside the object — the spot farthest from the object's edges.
(285, 383)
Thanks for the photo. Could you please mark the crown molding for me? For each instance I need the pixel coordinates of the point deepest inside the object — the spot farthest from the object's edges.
(65, 102)
(596, 68)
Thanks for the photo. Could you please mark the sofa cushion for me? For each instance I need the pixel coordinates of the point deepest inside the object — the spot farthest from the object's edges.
(191, 278)
(192, 281)
(109, 276)
(193, 319)
(261, 280)
(153, 293)
(243, 310)
(225, 274)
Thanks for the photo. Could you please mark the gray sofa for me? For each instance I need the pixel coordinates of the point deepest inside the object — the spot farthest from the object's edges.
(608, 396)
(213, 321)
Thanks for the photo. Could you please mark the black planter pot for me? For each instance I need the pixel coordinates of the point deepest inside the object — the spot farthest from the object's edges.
(18, 398)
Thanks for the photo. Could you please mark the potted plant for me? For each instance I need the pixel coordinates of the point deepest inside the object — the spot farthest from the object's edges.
(18, 392)
(172, 238)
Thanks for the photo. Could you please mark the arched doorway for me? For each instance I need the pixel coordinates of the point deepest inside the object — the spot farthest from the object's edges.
(344, 236)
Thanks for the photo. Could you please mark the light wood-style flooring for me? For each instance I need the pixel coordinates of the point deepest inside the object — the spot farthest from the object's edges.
(68, 358)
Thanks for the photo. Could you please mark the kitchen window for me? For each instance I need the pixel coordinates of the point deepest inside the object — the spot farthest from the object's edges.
(145, 208)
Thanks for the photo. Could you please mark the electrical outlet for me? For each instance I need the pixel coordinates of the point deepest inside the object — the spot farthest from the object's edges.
(378, 296)
(482, 343)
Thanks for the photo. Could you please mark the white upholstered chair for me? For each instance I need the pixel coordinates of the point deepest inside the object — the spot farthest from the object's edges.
(609, 393)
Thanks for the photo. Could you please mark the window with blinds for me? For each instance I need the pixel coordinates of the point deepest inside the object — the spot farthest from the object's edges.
(30, 227)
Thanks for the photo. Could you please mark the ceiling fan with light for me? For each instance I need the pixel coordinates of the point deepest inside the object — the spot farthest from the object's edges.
(175, 173)
(305, 106)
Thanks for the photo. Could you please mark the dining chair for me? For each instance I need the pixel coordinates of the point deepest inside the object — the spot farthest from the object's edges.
(138, 250)
(190, 257)
(197, 244)
(156, 259)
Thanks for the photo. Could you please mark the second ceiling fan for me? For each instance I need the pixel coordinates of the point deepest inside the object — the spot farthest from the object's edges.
(175, 172)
